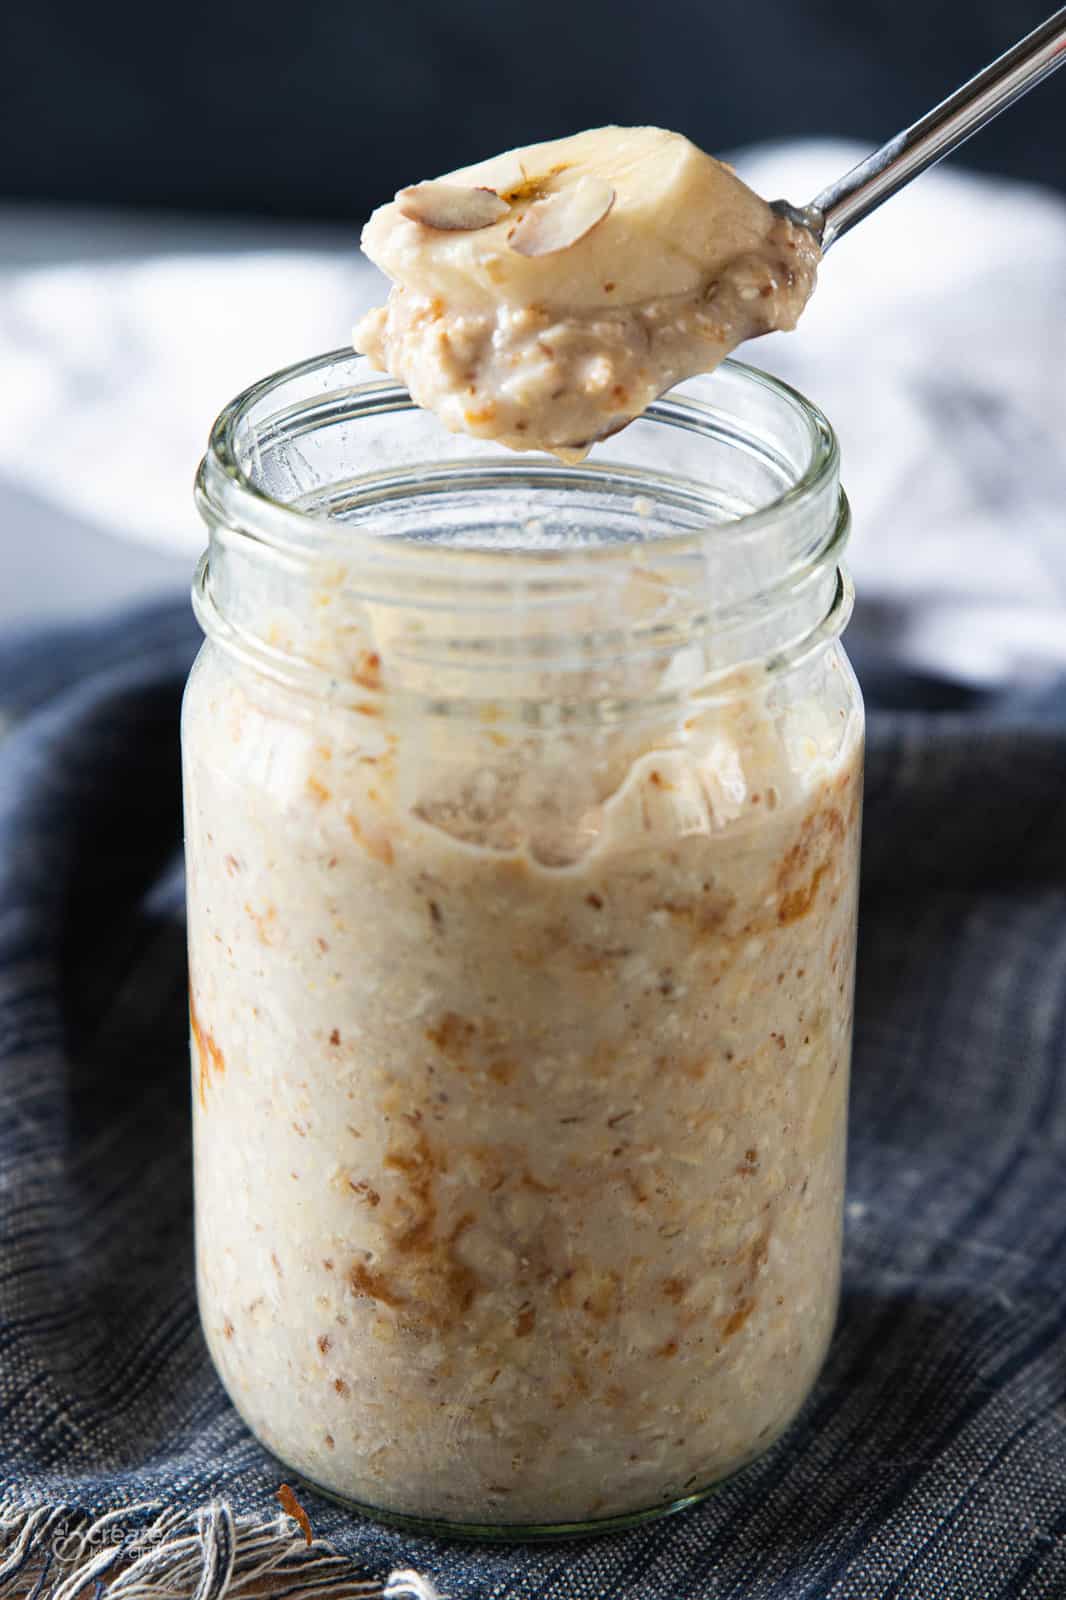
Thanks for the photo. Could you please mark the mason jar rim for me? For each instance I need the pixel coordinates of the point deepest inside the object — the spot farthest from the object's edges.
(228, 495)
(709, 585)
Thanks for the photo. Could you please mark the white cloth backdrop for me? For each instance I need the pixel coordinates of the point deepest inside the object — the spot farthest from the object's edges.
(936, 343)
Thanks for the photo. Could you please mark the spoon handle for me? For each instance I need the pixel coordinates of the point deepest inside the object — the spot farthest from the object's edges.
(939, 132)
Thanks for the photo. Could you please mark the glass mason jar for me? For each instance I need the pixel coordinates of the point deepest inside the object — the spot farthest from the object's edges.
(522, 807)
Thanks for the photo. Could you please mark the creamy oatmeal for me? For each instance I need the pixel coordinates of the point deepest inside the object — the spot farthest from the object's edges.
(547, 296)
(520, 1101)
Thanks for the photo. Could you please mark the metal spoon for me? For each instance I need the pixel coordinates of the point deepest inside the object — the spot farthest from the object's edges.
(936, 135)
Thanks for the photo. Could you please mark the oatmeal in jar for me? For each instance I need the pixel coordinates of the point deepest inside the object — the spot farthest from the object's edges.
(522, 888)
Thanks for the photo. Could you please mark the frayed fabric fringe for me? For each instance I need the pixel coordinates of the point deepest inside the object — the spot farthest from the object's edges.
(145, 1552)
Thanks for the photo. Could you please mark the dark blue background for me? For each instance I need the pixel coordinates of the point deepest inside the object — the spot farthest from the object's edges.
(321, 108)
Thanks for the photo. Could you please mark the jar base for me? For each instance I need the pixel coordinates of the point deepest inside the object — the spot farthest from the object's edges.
(510, 1532)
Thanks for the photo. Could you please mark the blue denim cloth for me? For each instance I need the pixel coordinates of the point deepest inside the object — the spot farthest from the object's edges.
(931, 1460)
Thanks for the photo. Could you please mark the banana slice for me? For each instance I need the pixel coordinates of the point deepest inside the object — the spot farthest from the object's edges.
(620, 261)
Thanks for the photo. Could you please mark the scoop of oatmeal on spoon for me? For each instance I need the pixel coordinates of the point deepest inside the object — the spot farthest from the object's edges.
(544, 298)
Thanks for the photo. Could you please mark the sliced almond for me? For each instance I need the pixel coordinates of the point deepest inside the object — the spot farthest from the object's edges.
(450, 208)
(563, 218)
